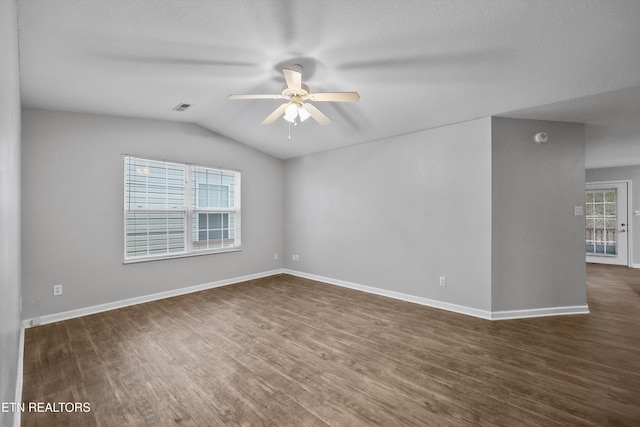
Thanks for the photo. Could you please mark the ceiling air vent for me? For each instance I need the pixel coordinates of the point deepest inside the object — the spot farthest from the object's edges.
(181, 107)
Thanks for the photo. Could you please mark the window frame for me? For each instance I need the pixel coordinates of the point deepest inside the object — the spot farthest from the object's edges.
(189, 209)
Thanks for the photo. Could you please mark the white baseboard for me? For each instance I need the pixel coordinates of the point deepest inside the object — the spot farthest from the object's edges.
(470, 311)
(539, 312)
(635, 265)
(72, 314)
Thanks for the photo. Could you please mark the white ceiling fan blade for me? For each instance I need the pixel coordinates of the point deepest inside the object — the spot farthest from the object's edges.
(293, 79)
(259, 96)
(317, 115)
(334, 96)
(276, 114)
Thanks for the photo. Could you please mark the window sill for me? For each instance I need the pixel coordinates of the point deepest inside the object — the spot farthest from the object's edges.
(189, 255)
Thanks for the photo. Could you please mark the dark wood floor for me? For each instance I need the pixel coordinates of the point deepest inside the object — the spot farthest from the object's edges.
(287, 351)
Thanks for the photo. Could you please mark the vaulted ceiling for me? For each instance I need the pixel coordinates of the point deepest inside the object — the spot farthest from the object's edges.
(417, 64)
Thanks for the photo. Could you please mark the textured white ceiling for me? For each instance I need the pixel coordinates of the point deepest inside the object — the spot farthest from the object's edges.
(416, 64)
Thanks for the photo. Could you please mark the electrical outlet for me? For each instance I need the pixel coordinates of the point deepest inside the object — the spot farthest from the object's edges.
(443, 281)
(275, 256)
(295, 257)
(57, 290)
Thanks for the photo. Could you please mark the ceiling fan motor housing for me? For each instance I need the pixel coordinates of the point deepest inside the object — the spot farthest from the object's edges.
(287, 92)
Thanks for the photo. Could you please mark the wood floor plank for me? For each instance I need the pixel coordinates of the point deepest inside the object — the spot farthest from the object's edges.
(370, 352)
(436, 351)
(289, 351)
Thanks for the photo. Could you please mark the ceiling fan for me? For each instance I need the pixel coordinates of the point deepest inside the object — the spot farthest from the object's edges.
(297, 109)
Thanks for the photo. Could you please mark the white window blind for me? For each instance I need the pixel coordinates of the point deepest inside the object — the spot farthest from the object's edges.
(175, 209)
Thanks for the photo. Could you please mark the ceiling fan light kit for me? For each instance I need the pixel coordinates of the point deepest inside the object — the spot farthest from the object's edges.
(294, 111)
(297, 107)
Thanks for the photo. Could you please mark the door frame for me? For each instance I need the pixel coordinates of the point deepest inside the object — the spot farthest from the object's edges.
(629, 232)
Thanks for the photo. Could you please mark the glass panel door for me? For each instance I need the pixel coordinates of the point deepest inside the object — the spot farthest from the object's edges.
(606, 226)
(600, 222)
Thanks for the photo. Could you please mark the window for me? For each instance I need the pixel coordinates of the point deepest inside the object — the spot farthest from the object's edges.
(214, 212)
(174, 209)
(601, 222)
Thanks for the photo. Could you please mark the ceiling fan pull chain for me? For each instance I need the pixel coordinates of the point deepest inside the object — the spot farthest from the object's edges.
(289, 131)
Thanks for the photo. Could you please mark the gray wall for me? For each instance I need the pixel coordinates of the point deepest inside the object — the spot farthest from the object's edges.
(538, 243)
(478, 202)
(624, 173)
(9, 206)
(73, 209)
(607, 147)
(397, 213)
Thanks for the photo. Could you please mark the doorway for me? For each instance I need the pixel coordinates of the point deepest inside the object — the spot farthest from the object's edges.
(606, 222)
